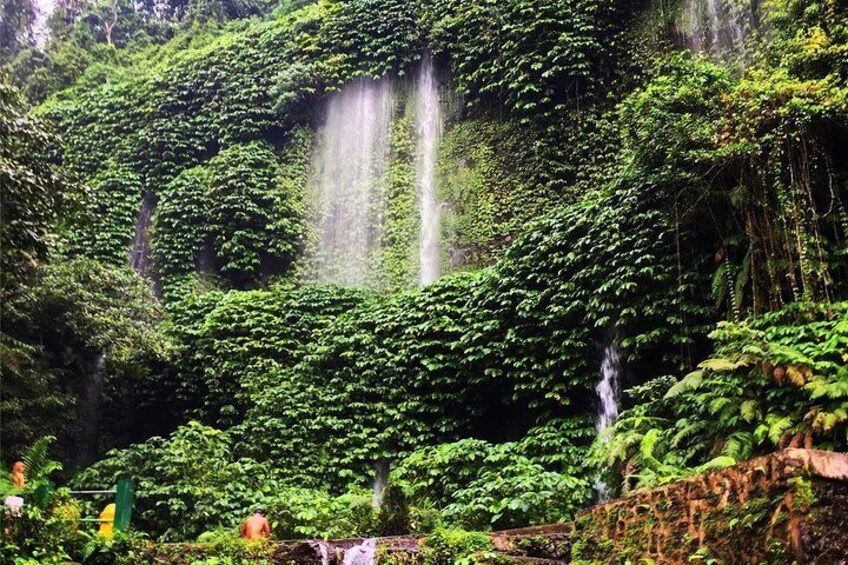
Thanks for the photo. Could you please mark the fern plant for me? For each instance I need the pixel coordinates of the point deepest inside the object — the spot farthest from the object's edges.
(777, 381)
(38, 466)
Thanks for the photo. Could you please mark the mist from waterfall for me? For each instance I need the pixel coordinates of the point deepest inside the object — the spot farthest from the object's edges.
(719, 27)
(350, 165)
(609, 399)
(429, 122)
(381, 480)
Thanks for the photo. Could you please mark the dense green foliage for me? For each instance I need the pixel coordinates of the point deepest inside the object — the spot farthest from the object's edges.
(193, 483)
(489, 200)
(161, 121)
(598, 188)
(81, 319)
(776, 381)
(444, 547)
(31, 188)
(479, 485)
(233, 348)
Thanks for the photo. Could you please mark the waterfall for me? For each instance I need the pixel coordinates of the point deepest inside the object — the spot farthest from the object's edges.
(719, 27)
(362, 554)
(381, 479)
(609, 396)
(428, 118)
(140, 252)
(350, 163)
(90, 401)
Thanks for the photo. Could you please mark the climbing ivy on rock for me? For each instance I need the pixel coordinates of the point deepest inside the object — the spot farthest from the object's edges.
(383, 378)
(237, 211)
(523, 53)
(418, 367)
(181, 222)
(106, 233)
(475, 484)
(258, 83)
(399, 253)
(251, 221)
(489, 202)
(641, 210)
(232, 342)
(31, 190)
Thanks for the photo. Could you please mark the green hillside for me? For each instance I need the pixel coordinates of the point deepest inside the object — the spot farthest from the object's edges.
(214, 235)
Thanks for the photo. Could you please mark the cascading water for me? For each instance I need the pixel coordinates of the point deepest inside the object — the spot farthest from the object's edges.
(348, 186)
(89, 410)
(609, 396)
(719, 27)
(429, 131)
(362, 554)
(140, 252)
(381, 479)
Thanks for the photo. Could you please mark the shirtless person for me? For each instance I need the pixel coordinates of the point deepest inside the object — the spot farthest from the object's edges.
(256, 527)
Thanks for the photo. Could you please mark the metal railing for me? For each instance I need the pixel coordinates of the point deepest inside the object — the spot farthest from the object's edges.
(124, 493)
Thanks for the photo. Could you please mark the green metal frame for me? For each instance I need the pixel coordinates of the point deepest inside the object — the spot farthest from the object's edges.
(124, 498)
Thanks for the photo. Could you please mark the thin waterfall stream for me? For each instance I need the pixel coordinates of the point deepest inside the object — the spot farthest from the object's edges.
(609, 397)
(381, 480)
(350, 170)
(350, 164)
(90, 401)
(718, 27)
(429, 132)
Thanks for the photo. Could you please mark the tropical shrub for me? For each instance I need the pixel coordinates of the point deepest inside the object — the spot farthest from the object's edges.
(775, 381)
(478, 485)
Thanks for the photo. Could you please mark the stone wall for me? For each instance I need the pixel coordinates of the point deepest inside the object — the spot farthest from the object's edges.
(788, 507)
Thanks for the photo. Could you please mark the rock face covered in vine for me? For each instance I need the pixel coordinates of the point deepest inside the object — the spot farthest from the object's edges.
(406, 234)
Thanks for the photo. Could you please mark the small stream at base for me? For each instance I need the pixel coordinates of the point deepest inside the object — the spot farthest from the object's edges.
(324, 549)
(361, 554)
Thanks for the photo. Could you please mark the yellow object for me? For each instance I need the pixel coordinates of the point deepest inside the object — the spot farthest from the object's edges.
(107, 521)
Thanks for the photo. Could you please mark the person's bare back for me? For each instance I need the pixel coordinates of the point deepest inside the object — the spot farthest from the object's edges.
(256, 527)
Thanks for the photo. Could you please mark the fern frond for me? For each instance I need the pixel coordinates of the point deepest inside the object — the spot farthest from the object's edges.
(38, 466)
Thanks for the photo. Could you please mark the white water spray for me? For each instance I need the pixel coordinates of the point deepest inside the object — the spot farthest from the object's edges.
(381, 480)
(718, 27)
(609, 395)
(348, 187)
(429, 123)
(362, 554)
